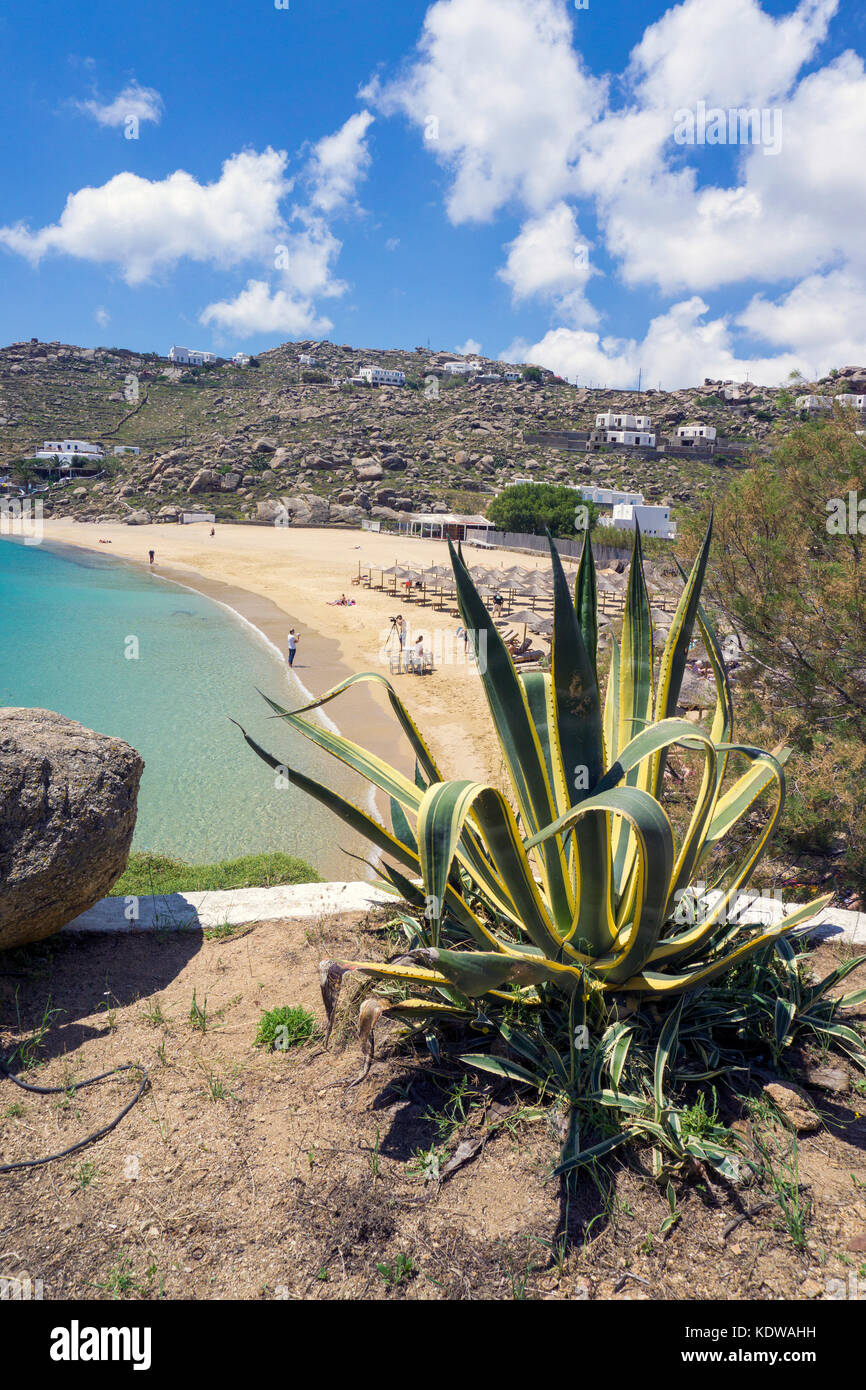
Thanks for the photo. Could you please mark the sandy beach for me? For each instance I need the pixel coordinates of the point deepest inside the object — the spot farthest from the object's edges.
(278, 578)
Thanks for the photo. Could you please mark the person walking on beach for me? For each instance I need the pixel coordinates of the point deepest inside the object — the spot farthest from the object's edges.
(293, 646)
(151, 555)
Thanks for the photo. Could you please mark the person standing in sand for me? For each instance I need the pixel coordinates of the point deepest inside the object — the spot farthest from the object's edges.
(151, 555)
(293, 645)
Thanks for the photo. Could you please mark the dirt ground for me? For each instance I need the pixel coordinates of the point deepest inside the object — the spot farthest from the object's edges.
(244, 1173)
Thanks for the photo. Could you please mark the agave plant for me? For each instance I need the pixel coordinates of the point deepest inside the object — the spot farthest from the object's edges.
(569, 893)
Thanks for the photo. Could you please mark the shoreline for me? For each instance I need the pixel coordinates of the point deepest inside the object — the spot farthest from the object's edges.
(270, 624)
(269, 575)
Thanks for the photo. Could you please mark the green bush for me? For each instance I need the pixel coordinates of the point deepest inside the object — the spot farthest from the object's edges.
(538, 507)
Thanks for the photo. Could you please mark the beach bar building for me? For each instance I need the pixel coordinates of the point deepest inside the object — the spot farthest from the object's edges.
(438, 525)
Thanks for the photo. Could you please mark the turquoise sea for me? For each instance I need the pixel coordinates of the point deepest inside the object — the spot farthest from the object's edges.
(165, 668)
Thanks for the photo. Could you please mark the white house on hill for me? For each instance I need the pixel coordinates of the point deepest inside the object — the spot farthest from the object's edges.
(652, 520)
(621, 420)
(814, 402)
(690, 434)
(610, 496)
(618, 427)
(241, 359)
(190, 357)
(382, 376)
(70, 450)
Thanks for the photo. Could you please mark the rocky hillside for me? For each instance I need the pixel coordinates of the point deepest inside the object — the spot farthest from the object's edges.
(238, 439)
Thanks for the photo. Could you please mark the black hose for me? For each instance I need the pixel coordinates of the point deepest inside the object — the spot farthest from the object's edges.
(62, 1090)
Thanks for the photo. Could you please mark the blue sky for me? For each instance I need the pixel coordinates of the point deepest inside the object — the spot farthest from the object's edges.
(495, 172)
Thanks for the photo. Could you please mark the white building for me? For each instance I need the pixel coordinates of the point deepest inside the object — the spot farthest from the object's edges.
(688, 434)
(652, 520)
(511, 376)
(485, 377)
(630, 437)
(306, 360)
(814, 402)
(191, 357)
(126, 449)
(382, 376)
(610, 496)
(241, 359)
(851, 401)
(620, 420)
(70, 450)
(459, 369)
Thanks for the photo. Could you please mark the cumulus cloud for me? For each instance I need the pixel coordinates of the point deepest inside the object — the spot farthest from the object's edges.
(338, 163)
(679, 345)
(102, 316)
(549, 258)
(469, 349)
(145, 103)
(261, 309)
(502, 99)
(304, 261)
(146, 226)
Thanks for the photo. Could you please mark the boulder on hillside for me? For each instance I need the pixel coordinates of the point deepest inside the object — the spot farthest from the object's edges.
(369, 473)
(346, 515)
(67, 812)
(265, 446)
(205, 480)
(137, 518)
(367, 470)
(308, 509)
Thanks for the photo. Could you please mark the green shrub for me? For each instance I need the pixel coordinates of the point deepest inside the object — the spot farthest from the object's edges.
(285, 1027)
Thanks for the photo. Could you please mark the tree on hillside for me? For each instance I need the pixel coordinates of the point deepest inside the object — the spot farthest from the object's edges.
(530, 507)
(788, 573)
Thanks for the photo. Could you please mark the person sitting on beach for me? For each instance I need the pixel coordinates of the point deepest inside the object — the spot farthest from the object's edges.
(415, 655)
(498, 601)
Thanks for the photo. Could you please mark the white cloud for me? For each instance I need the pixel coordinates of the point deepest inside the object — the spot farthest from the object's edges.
(392, 243)
(730, 55)
(260, 309)
(469, 349)
(145, 226)
(503, 99)
(306, 256)
(549, 258)
(102, 316)
(338, 163)
(145, 103)
(680, 346)
(505, 105)
(822, 318)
